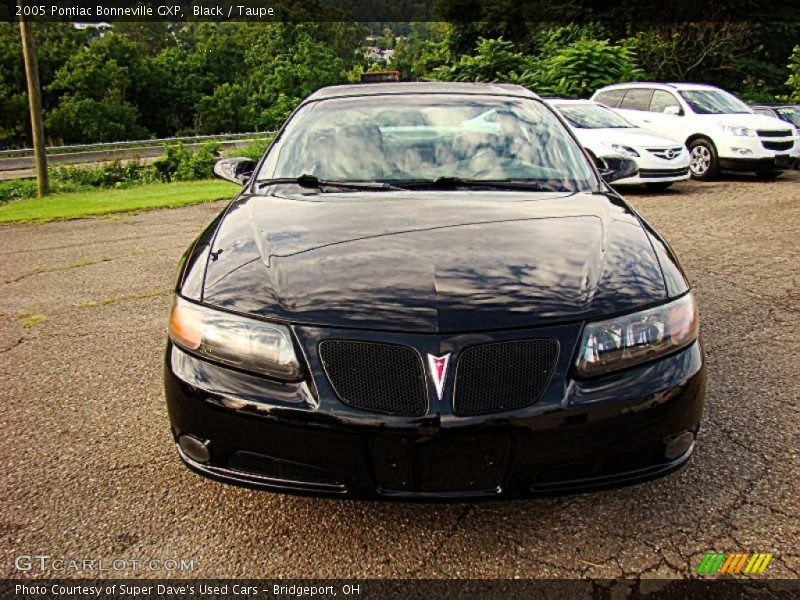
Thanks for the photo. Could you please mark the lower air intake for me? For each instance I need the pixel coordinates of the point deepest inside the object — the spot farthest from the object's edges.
(383, 378)
(276, 468)
(503, 376)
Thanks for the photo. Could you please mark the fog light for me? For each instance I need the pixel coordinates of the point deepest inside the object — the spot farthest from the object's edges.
(742, 151)
(194, 448)
(677, 445)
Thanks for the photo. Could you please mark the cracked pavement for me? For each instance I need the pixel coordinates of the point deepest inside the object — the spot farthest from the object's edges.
(90, 470)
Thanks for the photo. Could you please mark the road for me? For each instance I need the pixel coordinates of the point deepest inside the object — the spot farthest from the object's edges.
(89, 470)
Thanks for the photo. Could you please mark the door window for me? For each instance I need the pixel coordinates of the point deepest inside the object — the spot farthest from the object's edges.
(637, 99)
(662, 100)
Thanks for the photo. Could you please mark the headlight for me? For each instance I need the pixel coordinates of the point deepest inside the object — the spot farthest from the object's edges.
(737, 130)
(621, 149)
(232, 340)
(632, 339)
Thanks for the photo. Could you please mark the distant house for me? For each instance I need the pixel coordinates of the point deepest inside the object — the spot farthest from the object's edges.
(99, 29)
(376, 54)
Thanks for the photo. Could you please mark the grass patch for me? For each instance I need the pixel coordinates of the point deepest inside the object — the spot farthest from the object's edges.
(76, 205)
(115, 299)
(75, 265)
(32, 320)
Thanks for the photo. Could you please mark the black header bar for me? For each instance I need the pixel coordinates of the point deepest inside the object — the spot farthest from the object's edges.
(553, 11)
(388, 589)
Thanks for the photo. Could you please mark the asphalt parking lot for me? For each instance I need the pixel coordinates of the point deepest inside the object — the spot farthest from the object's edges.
(89, 470)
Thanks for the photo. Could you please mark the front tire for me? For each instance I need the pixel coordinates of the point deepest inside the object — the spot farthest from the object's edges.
(704, 163)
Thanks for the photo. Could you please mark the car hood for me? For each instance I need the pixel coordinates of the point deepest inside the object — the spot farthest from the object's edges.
(750, 120)
(633, 136)
(431, 262)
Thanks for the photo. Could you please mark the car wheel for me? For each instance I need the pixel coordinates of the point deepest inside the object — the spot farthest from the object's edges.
(768, 174)
(657, 186)
(703, 164)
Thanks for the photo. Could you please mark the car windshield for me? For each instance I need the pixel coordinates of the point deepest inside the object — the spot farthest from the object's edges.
(714, 102)
(790, 113)
(405, 138)
(592, 116)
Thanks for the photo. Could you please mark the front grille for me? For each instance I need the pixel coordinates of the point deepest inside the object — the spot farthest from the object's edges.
(777, 145)
(774, 133)
(503, 376)
(663, 152)
(277, 468)
(654, 173)
(384, 378)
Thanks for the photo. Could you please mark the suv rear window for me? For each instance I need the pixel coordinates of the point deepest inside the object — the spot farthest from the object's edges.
(637, 99)
(610, 97)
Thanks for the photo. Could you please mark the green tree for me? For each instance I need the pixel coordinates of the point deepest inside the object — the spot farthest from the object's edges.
(494, 60)
(98, 87)
(84, 120)
(582, 67)
(286, 63)
(55, 44)
(575, 70)
(151, 37)
(173, 82)
(13, 99)
(421, 51)
(226, 110)
(794, 76)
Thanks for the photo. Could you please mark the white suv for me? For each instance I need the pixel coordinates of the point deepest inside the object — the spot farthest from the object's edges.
(720, 130)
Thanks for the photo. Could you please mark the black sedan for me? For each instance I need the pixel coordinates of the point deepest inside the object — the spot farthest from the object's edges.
(428, 291)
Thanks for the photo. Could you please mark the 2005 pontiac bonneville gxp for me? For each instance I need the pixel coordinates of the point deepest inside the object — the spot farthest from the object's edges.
(428, 291)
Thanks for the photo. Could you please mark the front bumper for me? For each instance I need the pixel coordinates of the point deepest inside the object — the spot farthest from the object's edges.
(777, 163)
(298, 438)
(757, 153)
(655, 176)
(653, 169)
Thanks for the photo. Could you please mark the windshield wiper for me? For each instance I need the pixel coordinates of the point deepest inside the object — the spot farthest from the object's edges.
(312, 181)
(457, 182)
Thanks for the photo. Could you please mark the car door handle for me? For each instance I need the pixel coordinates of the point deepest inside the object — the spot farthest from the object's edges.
(647, 120)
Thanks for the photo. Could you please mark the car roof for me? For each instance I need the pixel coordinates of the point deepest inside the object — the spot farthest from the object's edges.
(775, 106)
(557, 101)
(423, 87)
(659, 85)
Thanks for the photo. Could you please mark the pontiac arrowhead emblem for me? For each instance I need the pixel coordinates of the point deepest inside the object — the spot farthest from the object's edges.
(438, 367)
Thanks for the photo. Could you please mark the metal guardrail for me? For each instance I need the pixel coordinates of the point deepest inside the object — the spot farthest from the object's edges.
(22, 166)
(52, 150)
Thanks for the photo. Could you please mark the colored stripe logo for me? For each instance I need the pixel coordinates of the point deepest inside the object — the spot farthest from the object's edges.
(734, 563)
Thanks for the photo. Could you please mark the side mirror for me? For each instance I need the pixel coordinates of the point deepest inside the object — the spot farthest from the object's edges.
(673, 110)
(618, 167)
(236, 170)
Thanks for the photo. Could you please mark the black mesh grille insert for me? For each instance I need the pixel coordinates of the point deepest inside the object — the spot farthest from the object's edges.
(503, 376)
(777, 145)
(276, 468)
(774, 133)
(381, 377)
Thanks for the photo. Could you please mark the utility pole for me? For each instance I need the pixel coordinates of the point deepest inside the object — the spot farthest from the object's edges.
(34, 103)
